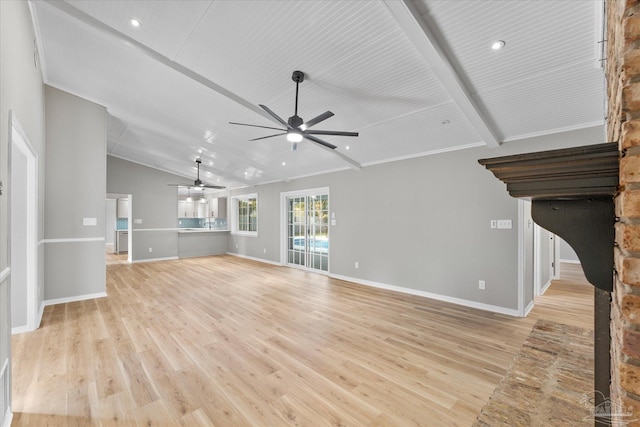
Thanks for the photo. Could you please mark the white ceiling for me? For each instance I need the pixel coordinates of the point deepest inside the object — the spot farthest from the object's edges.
(412, 78)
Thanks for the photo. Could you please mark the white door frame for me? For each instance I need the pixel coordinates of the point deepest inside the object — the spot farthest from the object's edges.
(129, 197)
(537, 259)
(283, 224)
(20, 141)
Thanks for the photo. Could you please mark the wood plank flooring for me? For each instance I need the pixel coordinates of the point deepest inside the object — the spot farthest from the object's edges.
(224, 341)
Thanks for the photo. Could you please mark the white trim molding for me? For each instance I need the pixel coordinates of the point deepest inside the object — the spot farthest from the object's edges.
(8, 418)
(74, 240)
(171, 258)
(570, 261)
(266, 261)
(529, 307)
(459, 301)
(74, 299)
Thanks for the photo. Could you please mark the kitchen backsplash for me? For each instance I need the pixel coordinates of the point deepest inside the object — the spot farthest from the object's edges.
(191, 223)
(122, 223)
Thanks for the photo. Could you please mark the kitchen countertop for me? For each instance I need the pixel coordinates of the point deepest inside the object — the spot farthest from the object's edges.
(201, 230)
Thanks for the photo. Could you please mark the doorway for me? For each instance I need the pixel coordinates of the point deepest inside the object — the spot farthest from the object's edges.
(23, 214)
(118, 229)
(306, 229)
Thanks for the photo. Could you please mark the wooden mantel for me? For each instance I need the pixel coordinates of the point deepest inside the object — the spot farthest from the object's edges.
(571, 192)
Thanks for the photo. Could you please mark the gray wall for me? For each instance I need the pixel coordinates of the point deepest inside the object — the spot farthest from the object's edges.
(21, 91)
(75, 189)
(153, 201)
(421, 223)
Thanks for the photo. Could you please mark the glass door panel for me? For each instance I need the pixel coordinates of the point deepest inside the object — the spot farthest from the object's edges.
(308, 231)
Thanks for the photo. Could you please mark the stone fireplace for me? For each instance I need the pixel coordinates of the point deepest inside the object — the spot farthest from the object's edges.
(623, 127)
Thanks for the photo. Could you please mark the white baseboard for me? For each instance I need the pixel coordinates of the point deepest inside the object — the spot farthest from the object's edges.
(171, 258)
(545, 287)
(20, 330)
(445, 298)
(74, 299)
(8, 418)
(26, 328)
(570, 261)
(266, 261)
(529, 307)
(40, 313)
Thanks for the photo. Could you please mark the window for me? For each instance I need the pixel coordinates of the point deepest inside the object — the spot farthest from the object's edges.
(245, 214)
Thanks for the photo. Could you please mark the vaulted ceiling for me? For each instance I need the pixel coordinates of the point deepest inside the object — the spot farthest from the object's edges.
(413, 78)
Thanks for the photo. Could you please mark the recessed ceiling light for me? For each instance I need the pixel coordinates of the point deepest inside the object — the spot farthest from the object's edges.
(347, 148)
(498, 44)
(134, 22)
(284, 163)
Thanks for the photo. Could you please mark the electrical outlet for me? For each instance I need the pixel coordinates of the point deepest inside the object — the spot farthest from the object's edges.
(150, 249)
(494, 223)
(236, 246)
(357, 265)
(481, 284)
(265, 250)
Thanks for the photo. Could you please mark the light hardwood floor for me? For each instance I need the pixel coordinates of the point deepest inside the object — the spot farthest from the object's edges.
(230, 342)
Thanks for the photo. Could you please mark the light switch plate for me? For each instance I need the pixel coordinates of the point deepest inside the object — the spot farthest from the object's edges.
(137, 221)
(504, 224)
(89, 221)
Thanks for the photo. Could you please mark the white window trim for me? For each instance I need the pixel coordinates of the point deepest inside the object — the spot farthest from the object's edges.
(234, 214)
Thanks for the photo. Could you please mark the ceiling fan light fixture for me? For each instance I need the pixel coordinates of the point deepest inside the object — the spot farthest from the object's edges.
(294, 135)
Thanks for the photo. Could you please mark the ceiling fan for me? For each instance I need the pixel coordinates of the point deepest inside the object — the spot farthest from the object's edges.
(198, 183)
(295, 128)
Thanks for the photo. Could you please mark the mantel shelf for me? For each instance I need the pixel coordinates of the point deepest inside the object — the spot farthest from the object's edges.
(570, 173)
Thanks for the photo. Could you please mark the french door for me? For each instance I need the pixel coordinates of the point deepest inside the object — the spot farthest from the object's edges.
(307, 230)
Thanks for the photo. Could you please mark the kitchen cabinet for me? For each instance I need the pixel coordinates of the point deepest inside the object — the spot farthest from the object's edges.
(121, 241)
(216, 208)
(123, 208)
(186, 209)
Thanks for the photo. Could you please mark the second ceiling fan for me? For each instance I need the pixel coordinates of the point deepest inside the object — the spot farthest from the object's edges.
(295, 128)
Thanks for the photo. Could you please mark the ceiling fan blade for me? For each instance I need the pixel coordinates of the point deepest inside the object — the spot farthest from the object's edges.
(318, 119)
(254, 126)
(270, 136)
(319, 141)
(331, 132)
(197, 186)
(275, 116)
